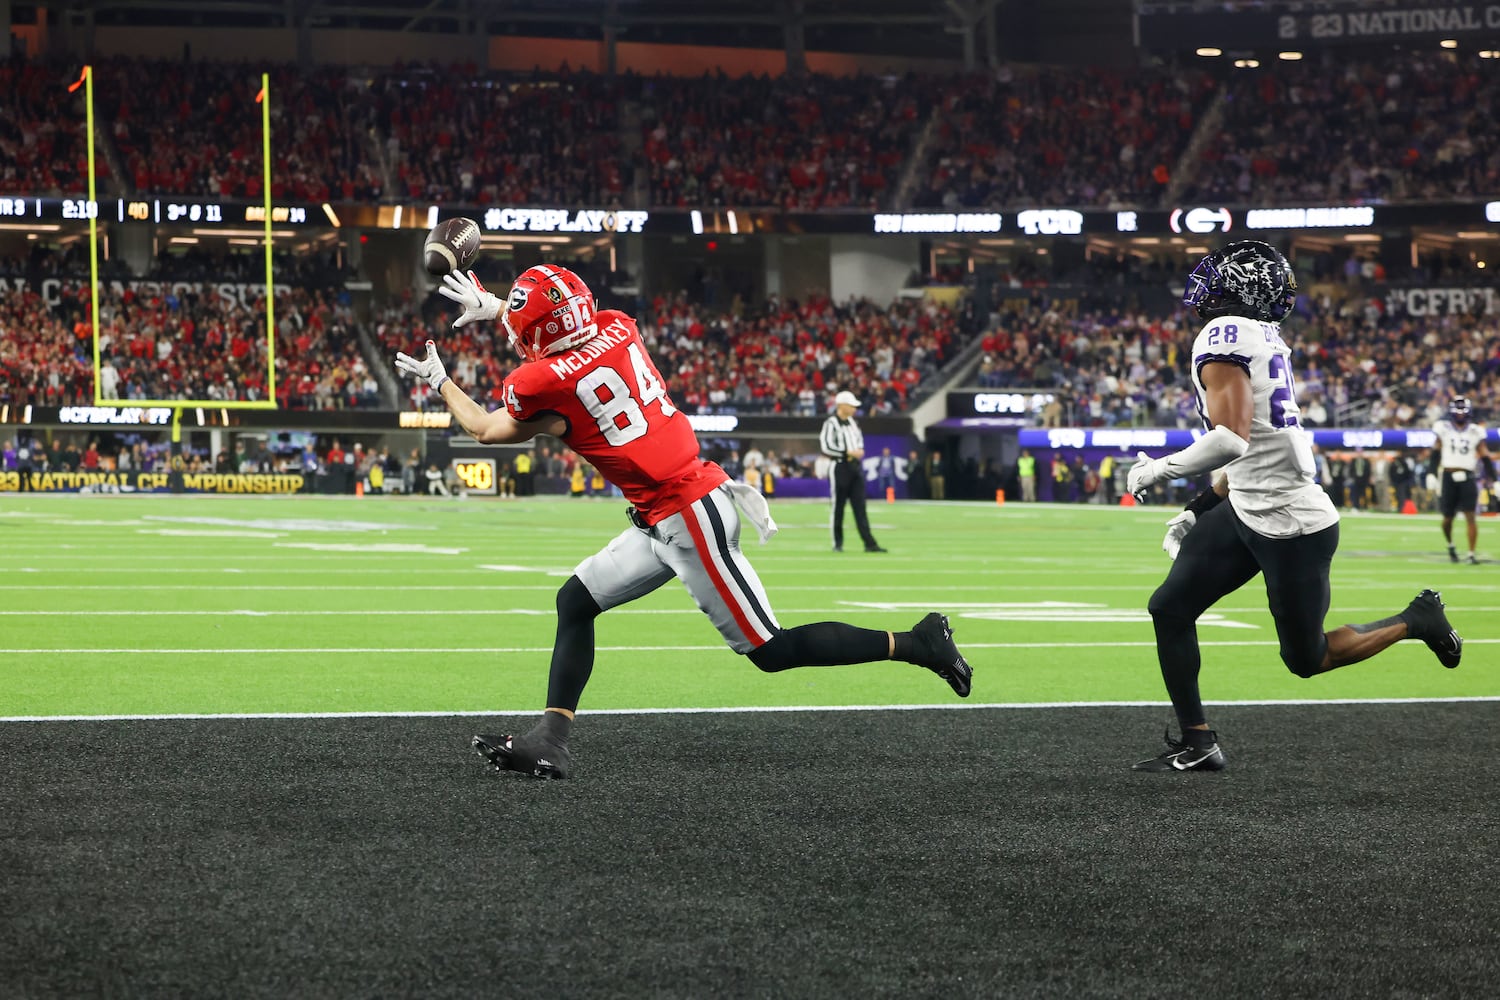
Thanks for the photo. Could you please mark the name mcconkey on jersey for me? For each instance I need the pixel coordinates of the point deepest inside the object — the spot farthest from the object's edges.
(613, 335)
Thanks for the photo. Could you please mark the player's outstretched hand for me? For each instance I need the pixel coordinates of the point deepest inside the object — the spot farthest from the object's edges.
(466, 290)
(429, 369)
(1177, 530)
(1144, 474)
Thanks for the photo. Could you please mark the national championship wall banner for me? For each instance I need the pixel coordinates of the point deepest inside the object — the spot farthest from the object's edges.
(153, 482)
(1172, 26)
(229, 294)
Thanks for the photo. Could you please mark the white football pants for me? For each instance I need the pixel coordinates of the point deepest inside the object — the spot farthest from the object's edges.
(701, 547)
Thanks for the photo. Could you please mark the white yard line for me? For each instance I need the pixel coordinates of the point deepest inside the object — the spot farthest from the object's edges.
(447, 650)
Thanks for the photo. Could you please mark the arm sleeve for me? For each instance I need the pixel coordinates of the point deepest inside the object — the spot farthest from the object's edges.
(1218, 447)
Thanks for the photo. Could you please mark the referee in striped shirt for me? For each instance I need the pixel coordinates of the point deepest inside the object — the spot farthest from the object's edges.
(842, 442)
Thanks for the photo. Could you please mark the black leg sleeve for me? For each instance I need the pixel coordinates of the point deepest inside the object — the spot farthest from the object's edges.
(1296, 572)
(824, 644)
(1213, 562)
(573, 652)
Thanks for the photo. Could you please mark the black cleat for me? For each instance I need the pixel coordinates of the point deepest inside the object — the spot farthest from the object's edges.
(1426, 620)
(875, 548)
(1197, 751)
(933, 647)
(1452, 554)
(525, 755)
(838, 548)
(1473, 559)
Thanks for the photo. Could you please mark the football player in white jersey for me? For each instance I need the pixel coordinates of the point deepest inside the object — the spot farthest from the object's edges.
(1278, 521)
(1462, 444)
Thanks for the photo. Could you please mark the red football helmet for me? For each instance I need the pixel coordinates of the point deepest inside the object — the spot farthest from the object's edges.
(549, 310)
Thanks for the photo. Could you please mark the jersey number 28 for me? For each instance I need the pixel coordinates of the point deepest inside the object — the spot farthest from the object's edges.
(607, 397)
(1284, 410)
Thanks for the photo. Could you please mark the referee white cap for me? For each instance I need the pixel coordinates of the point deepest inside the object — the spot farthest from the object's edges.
(846, 398)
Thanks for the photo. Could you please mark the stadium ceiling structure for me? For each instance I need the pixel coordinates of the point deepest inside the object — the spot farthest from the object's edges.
(966, 30)
(413, 14)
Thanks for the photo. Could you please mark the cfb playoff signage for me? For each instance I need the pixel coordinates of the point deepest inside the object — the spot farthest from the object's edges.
(1442, 301)
(997, 404)
(561, 220)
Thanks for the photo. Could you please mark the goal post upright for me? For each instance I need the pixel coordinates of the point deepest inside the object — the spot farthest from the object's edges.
(178, 405)
(265, 132)
(92, 211)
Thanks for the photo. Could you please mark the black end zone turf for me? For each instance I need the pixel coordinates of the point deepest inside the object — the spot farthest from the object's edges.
(1348, 851)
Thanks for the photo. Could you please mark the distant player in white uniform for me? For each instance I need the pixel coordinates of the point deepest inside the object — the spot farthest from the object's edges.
(1462, 444)
(1278, 522)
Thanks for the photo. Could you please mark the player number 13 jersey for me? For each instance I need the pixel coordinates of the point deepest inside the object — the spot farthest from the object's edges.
(1460, 444)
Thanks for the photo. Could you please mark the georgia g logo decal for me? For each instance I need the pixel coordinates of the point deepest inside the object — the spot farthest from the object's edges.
(517, 299)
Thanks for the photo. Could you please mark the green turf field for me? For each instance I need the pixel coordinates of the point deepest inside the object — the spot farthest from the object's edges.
(180, 605)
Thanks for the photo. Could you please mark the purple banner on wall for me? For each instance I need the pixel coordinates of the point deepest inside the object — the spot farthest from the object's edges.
(880, 470)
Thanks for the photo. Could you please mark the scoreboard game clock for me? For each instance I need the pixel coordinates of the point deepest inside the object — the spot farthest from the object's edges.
(476, 474)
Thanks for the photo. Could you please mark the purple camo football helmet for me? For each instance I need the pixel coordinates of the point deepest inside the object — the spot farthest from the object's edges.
(1247, 278)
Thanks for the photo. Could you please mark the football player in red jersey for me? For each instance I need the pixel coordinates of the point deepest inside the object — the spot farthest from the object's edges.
(585, 377)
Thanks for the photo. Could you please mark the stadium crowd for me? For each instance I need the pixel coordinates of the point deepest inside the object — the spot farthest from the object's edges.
(1359, 361)
(822, 142)
(1404, 126)
(1060, 136)
(780, 356)
(487, 139)
(180, 340)
(195, 128)
(1407, 126)
(42, 147)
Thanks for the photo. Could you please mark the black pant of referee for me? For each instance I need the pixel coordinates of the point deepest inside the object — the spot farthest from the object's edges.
(849, 487)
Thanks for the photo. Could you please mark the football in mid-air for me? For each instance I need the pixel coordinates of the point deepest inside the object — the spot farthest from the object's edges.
(451, 246)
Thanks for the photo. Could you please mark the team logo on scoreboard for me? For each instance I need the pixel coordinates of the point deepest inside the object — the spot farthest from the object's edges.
(1201, 220)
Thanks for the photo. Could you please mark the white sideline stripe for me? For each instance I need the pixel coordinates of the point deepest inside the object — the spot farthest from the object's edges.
(325, 613)
(217, 650)
(744, 710)
(399, 588)
(237, 587)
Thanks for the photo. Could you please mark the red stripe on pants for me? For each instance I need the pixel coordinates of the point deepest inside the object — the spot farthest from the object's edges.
(705, 555)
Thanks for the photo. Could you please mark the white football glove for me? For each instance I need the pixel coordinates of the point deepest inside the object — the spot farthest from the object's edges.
(466, 290)
(429, 369)
(1177, 530)
(1144, 474)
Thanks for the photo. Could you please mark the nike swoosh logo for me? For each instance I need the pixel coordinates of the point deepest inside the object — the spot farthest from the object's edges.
(1179, 765)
